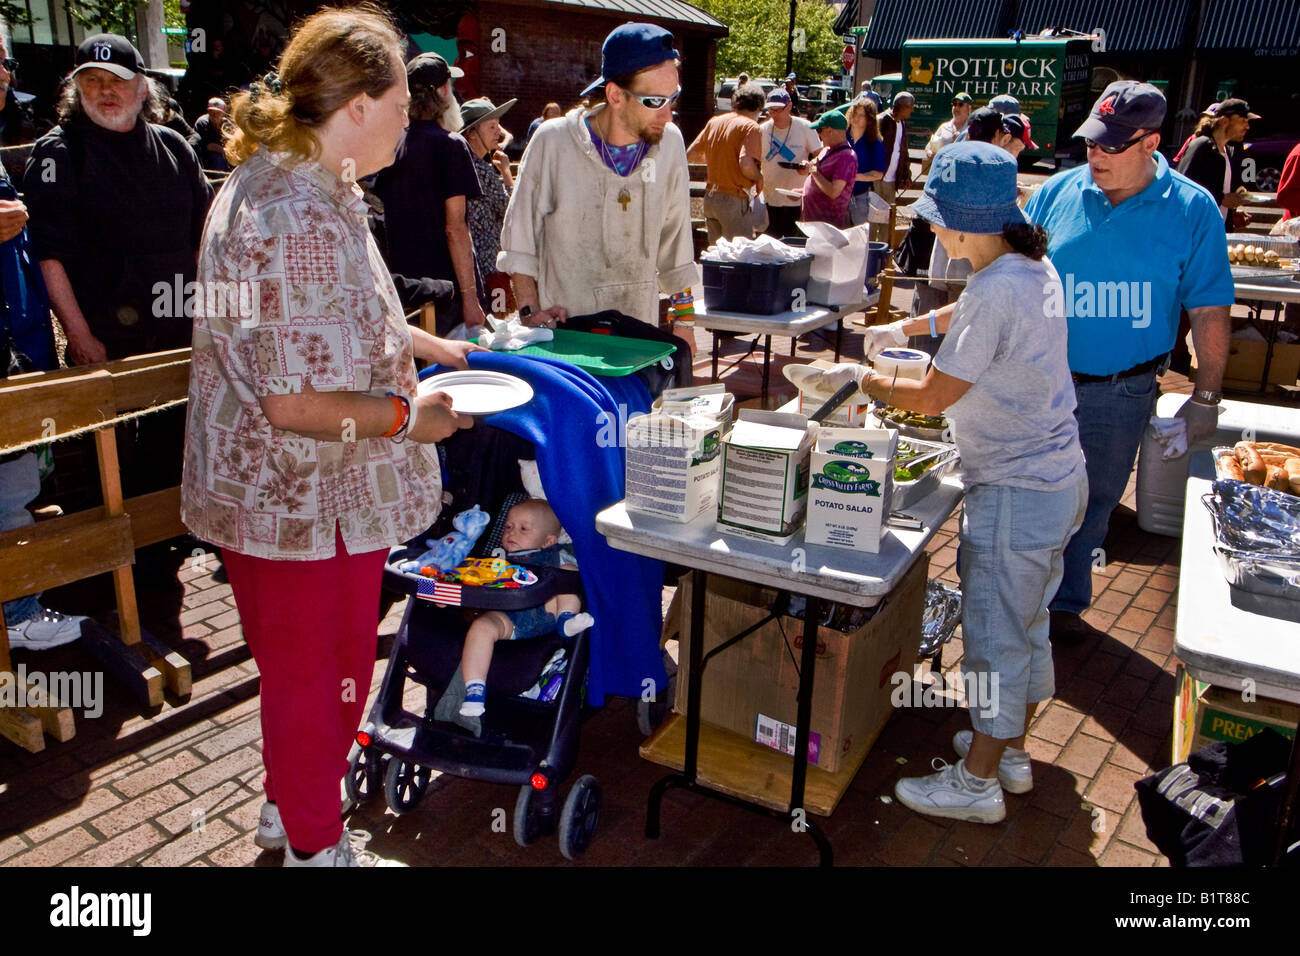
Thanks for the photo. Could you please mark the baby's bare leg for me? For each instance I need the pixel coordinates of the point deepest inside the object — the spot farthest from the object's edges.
(486, 630)
(563, 602)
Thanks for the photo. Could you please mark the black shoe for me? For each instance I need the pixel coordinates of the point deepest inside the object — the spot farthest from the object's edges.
(1069, 628)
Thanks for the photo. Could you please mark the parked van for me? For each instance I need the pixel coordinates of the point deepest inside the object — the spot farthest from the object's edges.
(722, 99)
(1050, 76)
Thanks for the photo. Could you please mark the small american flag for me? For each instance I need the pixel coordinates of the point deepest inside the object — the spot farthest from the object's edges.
(442, 593)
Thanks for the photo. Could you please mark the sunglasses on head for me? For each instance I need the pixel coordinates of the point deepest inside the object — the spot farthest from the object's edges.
(655, 102)
(1115, 150)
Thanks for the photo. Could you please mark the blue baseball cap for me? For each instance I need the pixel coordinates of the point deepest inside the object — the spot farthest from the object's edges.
(971, 188)
(631, 48)
(1005, 103)
(1124, 107)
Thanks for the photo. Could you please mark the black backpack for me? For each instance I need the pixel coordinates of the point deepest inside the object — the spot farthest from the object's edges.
(914, 251)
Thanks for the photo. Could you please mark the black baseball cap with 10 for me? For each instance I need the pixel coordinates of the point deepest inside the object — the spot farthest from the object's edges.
(111, 52)
(631, 48)
(1125, 107)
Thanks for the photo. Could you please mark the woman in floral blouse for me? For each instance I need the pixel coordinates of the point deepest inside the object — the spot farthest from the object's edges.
(308, 451)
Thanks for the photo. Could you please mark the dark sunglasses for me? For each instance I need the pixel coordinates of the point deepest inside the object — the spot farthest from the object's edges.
(9, 63)
(1115, 150)
(654, 102)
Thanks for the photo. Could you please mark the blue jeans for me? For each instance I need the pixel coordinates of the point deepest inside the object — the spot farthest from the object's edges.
(1111, 416)
(1010, 561)
(20, 482)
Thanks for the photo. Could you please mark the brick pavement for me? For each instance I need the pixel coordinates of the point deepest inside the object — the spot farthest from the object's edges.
(180, 786)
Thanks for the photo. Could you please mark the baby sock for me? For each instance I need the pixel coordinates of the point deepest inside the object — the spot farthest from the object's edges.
(570, 623)
(475, 699)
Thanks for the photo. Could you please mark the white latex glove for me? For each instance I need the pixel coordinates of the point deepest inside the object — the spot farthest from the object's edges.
(880, 337)
(1202, 420)
(831, 380)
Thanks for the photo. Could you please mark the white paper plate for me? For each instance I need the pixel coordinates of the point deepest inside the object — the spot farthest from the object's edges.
(789, 193)
(475, 392)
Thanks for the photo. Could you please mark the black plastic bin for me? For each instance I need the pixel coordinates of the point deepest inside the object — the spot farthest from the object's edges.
(756, 288)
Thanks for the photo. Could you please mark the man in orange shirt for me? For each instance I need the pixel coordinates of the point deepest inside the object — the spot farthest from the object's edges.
(731, 146)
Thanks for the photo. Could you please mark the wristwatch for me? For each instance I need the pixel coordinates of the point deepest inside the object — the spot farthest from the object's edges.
(1206, 397)
(525, 311)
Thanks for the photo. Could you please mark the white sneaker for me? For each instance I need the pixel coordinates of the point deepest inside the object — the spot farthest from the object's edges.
(270, 831)
(948, 793)
(341, 854)
(1015, 772)
(45, 630)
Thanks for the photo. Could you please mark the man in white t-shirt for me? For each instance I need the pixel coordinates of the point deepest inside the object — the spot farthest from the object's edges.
(787, 139)
(893, 130)
(948, 132)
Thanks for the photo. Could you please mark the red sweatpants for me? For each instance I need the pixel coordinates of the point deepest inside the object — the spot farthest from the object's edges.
(311, 626)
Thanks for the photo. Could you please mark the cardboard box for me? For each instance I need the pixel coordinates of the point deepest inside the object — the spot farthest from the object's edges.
(765, 475)
(1204, 714)
(1246, 364)
(673, 465)
(725, 413)
(849, 488)
(751, 687)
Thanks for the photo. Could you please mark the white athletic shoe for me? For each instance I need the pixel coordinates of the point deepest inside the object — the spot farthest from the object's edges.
(948, 793)
(341, 854)
(45, 630)
(1015, 772)
(270, 831)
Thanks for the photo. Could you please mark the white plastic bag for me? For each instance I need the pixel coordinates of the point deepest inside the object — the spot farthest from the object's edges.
(879, 209)
(758, 210)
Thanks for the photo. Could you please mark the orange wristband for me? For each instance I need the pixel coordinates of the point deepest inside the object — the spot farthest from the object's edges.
(399, 417)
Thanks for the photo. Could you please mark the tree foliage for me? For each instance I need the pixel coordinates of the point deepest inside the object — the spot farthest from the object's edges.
(759, 32)
(113, 16)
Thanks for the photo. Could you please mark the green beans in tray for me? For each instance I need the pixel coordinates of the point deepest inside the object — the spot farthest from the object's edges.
(901, 416)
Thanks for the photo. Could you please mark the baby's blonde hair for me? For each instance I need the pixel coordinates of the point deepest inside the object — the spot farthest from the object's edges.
(542, 513)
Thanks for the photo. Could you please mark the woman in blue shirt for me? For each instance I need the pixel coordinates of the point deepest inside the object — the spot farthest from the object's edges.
(864, 137)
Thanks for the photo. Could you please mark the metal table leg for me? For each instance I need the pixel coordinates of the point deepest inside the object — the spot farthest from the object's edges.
(715, 355)
(767, 368)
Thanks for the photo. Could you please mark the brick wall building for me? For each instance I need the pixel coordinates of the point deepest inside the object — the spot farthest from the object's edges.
(549, 51)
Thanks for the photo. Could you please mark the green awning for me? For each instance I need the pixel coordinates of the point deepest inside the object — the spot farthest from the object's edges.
(1259, 28)
(1129, 27)
(897, 20)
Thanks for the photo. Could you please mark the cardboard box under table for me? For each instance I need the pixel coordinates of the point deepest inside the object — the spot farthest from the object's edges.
(1204, 713)
(750, 687)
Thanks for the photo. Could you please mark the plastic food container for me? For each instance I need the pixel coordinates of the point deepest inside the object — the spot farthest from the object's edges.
(754, 288)
(907, 363)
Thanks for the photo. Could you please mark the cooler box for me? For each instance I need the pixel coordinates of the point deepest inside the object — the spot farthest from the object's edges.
(755, 288)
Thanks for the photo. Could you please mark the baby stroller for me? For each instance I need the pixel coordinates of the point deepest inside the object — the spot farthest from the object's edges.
(528, 743)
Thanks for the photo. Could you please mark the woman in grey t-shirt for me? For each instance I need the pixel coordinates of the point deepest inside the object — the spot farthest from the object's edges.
(1002, 379)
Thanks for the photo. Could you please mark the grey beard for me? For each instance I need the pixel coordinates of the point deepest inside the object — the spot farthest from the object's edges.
(451, 119)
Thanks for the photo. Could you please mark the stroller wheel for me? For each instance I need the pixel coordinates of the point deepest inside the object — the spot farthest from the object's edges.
(534, 815)
(579, 817)
(358, 783)
(404, 784)
(651, 713)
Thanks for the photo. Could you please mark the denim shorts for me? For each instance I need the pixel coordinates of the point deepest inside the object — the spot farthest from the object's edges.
(533, 622)
(1012, 542)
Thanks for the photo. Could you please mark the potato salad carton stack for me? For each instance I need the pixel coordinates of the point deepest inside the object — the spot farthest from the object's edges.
(765, 475)
(674, 453)
(850, 487)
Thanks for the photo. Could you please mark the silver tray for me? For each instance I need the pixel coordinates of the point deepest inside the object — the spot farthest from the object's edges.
(909, 431)
(907, 493)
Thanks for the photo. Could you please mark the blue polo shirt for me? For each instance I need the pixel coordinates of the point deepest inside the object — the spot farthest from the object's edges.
(1127, 270)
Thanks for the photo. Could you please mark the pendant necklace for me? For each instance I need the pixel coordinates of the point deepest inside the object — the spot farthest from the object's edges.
(624, 196)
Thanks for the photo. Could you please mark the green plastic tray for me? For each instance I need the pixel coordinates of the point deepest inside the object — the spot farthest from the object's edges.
(599, 354)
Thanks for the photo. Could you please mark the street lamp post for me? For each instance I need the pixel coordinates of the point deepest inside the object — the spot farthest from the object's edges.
(789, 42)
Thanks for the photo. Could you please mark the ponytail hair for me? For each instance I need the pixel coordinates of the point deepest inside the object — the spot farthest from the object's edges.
(333, 55)
(1027, 239)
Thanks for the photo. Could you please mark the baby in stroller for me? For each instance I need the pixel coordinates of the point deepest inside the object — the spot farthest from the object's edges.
(531, 535)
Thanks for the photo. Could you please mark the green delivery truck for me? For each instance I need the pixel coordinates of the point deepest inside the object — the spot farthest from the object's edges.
(1051, 77)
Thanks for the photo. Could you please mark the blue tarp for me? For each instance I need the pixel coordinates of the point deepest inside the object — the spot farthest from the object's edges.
(576, 423)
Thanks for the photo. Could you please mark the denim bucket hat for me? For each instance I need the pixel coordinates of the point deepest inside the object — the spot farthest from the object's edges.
(971, 188)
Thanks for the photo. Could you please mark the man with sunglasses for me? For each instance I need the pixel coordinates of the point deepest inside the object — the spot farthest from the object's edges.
(1134, 243)
(600, 215)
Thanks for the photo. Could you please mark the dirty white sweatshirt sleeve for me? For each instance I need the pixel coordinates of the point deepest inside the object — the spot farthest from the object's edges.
(529, 204)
